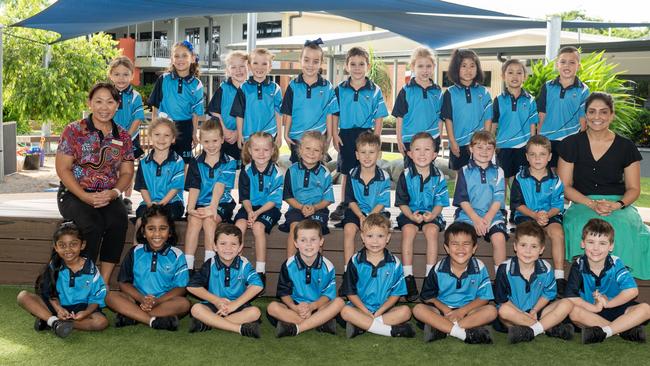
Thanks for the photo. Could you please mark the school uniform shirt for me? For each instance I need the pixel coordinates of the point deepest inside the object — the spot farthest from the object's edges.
(154, 272)
(524, 294)
(83, 287)
(178, 97)
(359, 108)
(455, 292)
(261, 187)
(202, 176)
(421, 194)
(613, 279)
(229, 282)
(563, 108)
(222, 101)
(481, 188)
(130, 109)
(468, 107)
(514, 116)
(257, 103)
(159, 179)
(308, 186)
(97, 158)
(373, 284)
(419, 109)
(308, 105)
(376, 192)
(307, 283)
(537, 195)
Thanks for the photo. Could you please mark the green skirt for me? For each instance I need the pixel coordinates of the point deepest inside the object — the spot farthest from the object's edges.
(631, 235)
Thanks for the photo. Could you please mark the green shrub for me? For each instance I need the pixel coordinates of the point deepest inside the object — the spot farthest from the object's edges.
(145, 91)
(389, 122)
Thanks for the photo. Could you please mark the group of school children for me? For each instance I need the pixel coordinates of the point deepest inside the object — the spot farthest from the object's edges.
(249, 119)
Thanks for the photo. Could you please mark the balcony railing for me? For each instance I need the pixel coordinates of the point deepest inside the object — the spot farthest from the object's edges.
(162, 49)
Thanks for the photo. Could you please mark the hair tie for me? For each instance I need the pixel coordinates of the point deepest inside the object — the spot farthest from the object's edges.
(188, 45)
(316, 42)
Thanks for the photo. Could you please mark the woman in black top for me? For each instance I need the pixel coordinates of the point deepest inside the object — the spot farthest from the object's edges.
(600, 171)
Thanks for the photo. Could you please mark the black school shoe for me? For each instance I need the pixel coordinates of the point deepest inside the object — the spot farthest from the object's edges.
(352, 331)
(285, 329)
(518, 334)
(198, 326)
(62, 328)
(478, 335)
(338, 213)
(40, 325)
(636, 334)
(561, 287)
(328, 327)
(411, 289)
(563, 331)
(404, 330)
(593, 335)
(432, 334)
(166, 322)
(123, 321)
(251, 330)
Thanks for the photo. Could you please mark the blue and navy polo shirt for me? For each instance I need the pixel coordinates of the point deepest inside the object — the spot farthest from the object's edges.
(455, 292)
(373, 284)
(309, 105)
(468, 107)
(421, 194)
(563, 108)
(308, 186)
(481, 188)
(307, 283)
(222, 101)
(158, 180)
(178, 97)
(419, 109)
(154, 272)
(359, 108)
(202, 176)
(257, 103)
(130, 109)
(524, 294)
(261, 187)
(514, 117)
(613, 279)
(537, 195)
(83, 287)
(229, 282)
(367, 196)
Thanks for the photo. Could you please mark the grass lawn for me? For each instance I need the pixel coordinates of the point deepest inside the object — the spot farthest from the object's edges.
(21, 345)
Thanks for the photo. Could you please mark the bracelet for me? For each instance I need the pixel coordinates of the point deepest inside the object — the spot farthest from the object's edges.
(119, 193)
(622, 204)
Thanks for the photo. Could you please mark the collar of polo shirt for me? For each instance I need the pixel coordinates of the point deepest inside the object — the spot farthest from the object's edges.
(472, 267)
(472, 164)
(170, 157)
(318, 262)
(525, 173)
(163, 251)
(379, 175)
(433, 172)
(576, 82)
(91, 127)
(319, 80)
(87, 268)
(433, 85)
(516, 271)
(251, 80)
(524, 93)
(223, 158)
(388, 257)
(267, 171)
(236, 263)
(187, 78)
(315, 169)
(368, 84)
(584, 266)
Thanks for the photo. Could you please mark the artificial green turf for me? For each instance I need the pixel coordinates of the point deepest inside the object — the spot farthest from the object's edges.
(21, 345)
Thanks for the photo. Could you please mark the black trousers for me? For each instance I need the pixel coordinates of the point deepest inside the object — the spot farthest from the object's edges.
(104, 229)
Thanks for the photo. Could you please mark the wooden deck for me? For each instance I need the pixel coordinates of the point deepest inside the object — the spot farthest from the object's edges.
(27, 222)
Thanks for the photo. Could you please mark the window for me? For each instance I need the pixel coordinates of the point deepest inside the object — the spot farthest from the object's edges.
(146, 36)
(216, 31)
(265, 29)
(193, 35)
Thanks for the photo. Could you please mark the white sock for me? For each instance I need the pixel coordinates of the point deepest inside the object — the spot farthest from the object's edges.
(559, 274)
(260, 267)
(607, 331)
(429, 268)
(408, 271)
(378, 327)
(538, 328)
(458, 332)
(297, 329)
(496, 268)
(151, 321)
(209, 254)
(51, 320)
(345, 267)
(190, 261)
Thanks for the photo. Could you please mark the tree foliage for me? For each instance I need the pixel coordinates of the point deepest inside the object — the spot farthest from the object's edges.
(378, 74)
(56, 93)
(630, 33)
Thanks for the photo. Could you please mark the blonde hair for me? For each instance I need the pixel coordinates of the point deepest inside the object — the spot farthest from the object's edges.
(314, 135)
(160, 121)
(246, 156)
(236, 54)
(483, 136)
(121, 61)
(421, 52)
(261, 52)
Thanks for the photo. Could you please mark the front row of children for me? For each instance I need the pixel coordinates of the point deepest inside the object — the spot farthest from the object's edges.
(154, 278)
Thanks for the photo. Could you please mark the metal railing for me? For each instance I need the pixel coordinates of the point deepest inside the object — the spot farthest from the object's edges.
(156, 49)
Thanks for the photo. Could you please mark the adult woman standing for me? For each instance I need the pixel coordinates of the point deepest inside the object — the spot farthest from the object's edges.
(601, 175)
(94, 162)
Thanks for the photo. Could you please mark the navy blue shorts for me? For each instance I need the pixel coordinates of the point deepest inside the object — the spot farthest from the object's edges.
(557, 219)
(497, 228)
(456, 163)
(511, 160)
(295, 155)
(438, 221)
(70, 308)
(137, 147)
(175, 209)
(347, 154)
(350, 218)
(183, 144)
(268, 218)
(224, 210)
(231, 150)
(555, 151)
(214, 309)
(294, 215)
(612, 314)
